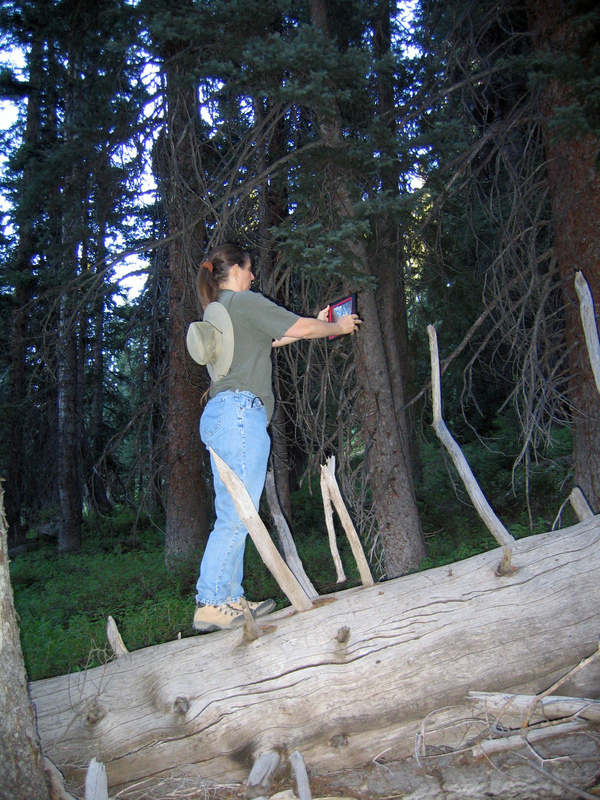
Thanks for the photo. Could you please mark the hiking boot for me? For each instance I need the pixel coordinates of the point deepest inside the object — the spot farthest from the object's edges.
(258, 609)
(216, 618)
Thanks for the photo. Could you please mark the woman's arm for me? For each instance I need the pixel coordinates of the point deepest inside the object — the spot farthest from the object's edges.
(310, 328)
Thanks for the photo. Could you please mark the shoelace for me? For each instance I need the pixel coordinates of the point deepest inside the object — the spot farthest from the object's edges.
(232, 610)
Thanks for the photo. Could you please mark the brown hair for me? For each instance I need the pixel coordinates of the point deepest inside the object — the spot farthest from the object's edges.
(215, 270)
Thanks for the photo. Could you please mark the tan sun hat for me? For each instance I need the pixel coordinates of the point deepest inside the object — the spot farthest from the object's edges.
(210, 342)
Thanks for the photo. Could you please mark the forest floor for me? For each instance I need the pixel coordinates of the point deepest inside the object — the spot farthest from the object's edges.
(563, 768)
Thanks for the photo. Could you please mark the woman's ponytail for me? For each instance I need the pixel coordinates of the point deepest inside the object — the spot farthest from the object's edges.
(214, 271)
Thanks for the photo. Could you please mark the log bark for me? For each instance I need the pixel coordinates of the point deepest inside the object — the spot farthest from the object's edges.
(411, 646)
(22, 775)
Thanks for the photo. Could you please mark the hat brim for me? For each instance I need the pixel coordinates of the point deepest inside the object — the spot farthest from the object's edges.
(216, 315)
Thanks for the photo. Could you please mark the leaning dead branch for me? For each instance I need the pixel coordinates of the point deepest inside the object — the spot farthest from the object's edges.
(590, 329)
(260, 536)
(515, 741)
(328, 508)
(286, 540)
(332, 494)
(483, 508)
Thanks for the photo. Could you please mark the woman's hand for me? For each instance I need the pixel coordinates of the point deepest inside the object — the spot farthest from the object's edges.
(311, 328)
(348, 323)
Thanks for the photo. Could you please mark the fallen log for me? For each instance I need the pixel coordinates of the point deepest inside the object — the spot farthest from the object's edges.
(409, 646)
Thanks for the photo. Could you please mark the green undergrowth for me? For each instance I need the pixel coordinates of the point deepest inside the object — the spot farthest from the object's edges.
(63, 601)
(526, 502)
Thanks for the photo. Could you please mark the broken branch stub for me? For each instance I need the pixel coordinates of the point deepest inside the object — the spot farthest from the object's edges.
(335, 553)
(328, 473)
(580, 505)
(96, 782)
(114, 638)
(588, 320)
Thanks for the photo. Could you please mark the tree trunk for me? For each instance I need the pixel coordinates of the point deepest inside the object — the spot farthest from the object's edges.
(187, 524)
(387, 454)
(95, 473)
(22, 296)
(69, 473)
(575, 188)
(273, 209)
(343, 682)
(22, 774)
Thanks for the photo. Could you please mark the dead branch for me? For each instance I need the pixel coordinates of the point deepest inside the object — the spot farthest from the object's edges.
(478, 499)
(286, 540)
(260, 536)
(588, 319)
(583, 663)
(114, 638)
(96, 782)
(580, 505)
(334, 494)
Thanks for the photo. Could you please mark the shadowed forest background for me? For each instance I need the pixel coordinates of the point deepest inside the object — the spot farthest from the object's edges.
(439, 159)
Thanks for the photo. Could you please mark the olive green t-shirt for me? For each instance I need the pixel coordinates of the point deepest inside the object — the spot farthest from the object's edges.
(256, 322)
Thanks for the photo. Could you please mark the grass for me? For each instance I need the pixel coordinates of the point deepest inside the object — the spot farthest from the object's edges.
(64, 601)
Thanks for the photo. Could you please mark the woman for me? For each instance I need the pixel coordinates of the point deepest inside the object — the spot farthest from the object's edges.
(234, 422)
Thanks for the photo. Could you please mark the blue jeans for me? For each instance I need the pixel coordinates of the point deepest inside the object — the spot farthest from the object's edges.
(234, 425)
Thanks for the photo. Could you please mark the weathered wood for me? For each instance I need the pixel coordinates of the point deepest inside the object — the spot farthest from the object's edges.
(114, 638)
(260, 536)
(514, 707)
(328, 471)
(588, 319)
(261, 775)
(301, 776)
(286, 540)
(56, 782)
(328, 509)
(96, 783)
(489, 746)
(252, 630)
(483, 508)
(580, 505)
(416, 644)
(22, 775)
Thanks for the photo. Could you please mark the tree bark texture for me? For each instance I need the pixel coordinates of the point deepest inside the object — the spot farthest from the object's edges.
(409, 647)
(575, 188)
(69, 461)
(186, 528)
(22, 774)
(22, 296)
(387, 453)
